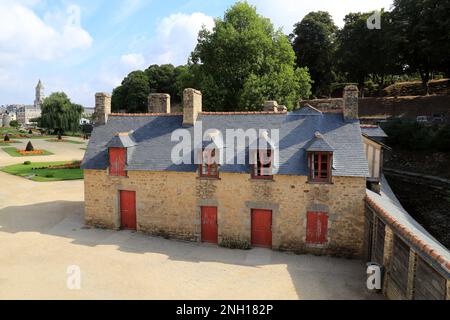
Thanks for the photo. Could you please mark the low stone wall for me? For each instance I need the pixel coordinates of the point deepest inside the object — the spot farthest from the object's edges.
(416, 266)
(169, 205)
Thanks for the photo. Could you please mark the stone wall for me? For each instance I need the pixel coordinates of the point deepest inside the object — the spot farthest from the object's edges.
(169, 205)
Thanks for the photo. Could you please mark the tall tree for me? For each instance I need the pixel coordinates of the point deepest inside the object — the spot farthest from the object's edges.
(313, 41)
(60, 114)
(245, 61)
(424, 28)
(132, 95)
(364, 52)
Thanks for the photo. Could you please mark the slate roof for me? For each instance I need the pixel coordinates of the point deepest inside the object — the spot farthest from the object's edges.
(121, 141)
(319, 144)
(373, 131)
(152, 135)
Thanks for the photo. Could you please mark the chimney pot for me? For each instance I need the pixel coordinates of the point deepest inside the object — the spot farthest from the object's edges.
(271, 106)
(350, 105)
(159, 103)
(102, 108)
(192, 106)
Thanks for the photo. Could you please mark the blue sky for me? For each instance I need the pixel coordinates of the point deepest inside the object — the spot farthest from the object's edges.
(86, 46)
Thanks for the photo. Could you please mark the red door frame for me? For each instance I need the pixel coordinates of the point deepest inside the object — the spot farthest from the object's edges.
(128, 220)
(209, 224)
(261, 226)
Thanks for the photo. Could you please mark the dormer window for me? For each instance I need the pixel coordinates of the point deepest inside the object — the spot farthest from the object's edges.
(117, 162)
(320, 166)
(209, 168)
(262, 169)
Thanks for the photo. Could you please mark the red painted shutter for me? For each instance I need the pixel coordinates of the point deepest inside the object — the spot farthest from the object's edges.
(117, 161)
(317, 228)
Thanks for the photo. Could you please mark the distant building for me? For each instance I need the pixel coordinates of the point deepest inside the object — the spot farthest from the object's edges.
(26, 113)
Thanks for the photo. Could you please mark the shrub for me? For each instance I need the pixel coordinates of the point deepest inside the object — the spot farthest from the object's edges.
(30, 131)
(49, 175)
(235, 244)
(441, 140)
(408, 135)
(27, 163)
(6, 138)
(29, 147)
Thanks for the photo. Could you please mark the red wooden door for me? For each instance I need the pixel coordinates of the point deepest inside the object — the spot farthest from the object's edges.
(262, 228)
(209, 224)
(317, 228)
(117, 161)
(128, 210)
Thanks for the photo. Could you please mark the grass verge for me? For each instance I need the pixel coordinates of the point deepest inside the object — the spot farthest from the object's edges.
(41, 172)
(13, 152)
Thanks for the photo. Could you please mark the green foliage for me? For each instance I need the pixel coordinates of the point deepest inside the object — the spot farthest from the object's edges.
(409, 135)
(41, 172)
(13, 152)
(14, 124)
(132, 94)
(314, 43)
(29, 146)
(6, 138)
(60, 114)
(441, 140)
(245, 61)
(363, 52)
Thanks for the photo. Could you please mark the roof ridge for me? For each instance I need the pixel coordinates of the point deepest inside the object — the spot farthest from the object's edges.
(242, 113)
(145, 114)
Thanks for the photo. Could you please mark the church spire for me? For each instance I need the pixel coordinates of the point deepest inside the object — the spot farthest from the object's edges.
(39, 94)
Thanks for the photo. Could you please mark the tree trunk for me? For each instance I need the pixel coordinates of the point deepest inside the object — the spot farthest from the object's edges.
(425, 76)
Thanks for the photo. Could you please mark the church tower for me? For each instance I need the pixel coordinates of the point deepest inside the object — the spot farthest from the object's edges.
(39, 94)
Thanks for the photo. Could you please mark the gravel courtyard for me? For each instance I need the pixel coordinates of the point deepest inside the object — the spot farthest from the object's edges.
(42, 234)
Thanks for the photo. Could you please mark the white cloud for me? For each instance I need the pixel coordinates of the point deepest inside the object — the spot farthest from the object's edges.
(176, 37)
(133, 60)
(285, 13)
(26, 36)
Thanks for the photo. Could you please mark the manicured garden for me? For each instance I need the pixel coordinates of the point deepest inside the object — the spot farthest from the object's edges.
(46, 171)
(13, 152)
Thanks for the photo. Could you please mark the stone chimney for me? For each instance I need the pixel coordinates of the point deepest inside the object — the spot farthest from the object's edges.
(102, 108)
(159, 103)
(350, 105)
(271, 106)
(192, 106)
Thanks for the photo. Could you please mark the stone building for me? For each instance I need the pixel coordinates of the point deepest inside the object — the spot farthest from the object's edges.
(26, 113)
(299, 186)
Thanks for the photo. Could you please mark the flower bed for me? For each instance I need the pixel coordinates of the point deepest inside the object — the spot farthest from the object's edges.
(73, 165)
(29, 153)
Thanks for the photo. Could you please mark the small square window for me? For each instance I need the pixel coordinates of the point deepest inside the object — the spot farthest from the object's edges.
(263, 167)
(320, 166)
(209, 167)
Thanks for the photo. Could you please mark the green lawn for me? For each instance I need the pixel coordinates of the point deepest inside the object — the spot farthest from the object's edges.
(64, 141)
(40, 172)
(6, 144)
(13, 152)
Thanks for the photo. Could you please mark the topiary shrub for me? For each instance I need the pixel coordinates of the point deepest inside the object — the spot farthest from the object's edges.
(29, 147)
(59, 137)
(30, 131)
(6, 138)
(27, 163)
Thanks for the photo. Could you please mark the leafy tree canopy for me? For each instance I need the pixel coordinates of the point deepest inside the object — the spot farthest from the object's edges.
(245, 61)
(60, 114)
(314, 42)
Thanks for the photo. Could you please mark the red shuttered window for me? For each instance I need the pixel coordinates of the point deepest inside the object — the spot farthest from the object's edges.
(209, 167)
(117, 162)
(317, 228)
(320, 166)
(263, 167)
